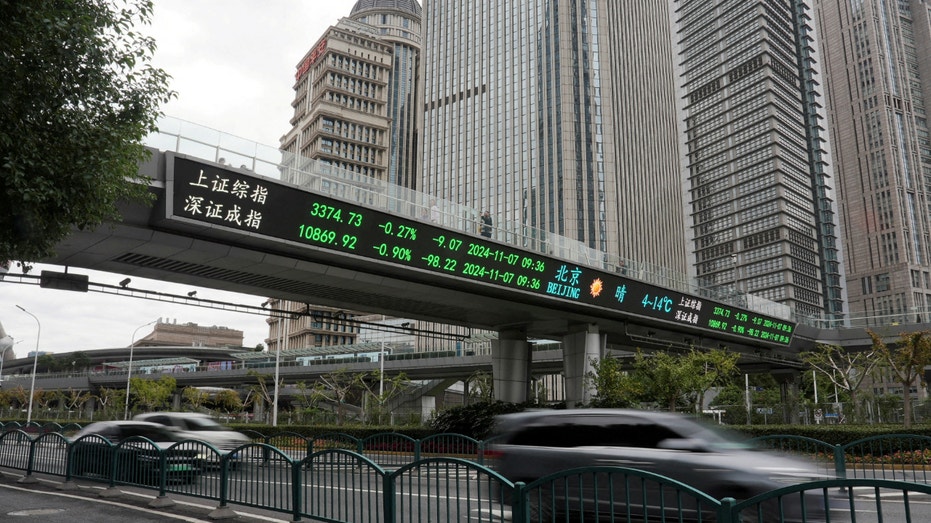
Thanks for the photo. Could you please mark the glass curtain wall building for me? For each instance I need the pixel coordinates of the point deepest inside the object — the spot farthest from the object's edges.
(398, 23)
(756, 163)
(355, 109)
(879, 82)
(556, 115)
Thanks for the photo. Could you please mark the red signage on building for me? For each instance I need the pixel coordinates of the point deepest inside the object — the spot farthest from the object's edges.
(311, 59)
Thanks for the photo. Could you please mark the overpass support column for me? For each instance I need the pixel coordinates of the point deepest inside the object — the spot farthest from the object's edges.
(510, 366)
(579, 349)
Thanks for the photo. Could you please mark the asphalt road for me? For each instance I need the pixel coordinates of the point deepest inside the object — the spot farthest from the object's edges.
(44, 501)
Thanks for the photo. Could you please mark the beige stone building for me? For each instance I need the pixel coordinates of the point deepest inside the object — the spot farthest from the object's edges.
(356, 115)
(171, 334)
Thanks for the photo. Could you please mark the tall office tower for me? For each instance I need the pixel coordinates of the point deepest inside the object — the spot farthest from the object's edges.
(398, 23)
(355, 93)
(757, 170)
(557, 115)
(878, 77)
(341, 101)
(354, 108)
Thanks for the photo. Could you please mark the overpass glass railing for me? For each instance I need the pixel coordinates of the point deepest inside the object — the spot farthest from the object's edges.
(318, 176)
(904, 316)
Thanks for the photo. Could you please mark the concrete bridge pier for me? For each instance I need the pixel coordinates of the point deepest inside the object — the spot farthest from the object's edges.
(511, 357)
(580, 349)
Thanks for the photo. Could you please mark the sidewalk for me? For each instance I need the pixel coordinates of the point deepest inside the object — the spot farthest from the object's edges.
(45, 499)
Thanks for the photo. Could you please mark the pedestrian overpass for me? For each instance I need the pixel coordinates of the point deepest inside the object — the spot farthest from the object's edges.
(234, 216)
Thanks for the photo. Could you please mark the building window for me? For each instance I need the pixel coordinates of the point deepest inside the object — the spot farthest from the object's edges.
(882, 282)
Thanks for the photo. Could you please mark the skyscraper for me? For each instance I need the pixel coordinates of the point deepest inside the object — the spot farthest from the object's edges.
(756, 164)
(355, 91)
(398, 23)
(341, 101)
(355, 110)
(556, 116)
(879, 82)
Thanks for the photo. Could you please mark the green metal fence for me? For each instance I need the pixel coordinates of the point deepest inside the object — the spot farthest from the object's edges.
(415, 483)
(905, 457)
(897, 457)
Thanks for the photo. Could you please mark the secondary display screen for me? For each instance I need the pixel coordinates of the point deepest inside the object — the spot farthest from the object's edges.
(265, 207)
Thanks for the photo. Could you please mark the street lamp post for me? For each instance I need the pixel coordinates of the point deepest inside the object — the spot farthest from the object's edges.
(381, 371)
(35, 364)
(282, 338)
(129, 370)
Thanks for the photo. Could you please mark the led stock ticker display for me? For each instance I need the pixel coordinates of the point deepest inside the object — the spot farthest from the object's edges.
(265, 207)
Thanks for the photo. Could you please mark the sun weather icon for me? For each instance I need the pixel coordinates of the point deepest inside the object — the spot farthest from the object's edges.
(596, 287)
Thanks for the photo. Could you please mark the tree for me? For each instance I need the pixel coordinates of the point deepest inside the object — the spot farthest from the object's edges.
(80, 360)
(194, 397)
(228, 401)
(614, 387)
(712, 369)
(906, 362)
(673, 378)
(666, 378)
(48, 363)
(261, 390)
(6, 398)
(379, 390)
(110, 400)
(764, 392)
(43, 399)
(20, 395)
(79, 96)
(152, 394)
(76, 399)
(337, 387)
(481, 387)
(845, 370)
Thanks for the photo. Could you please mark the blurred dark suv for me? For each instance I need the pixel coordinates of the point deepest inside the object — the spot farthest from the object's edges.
(532, 445)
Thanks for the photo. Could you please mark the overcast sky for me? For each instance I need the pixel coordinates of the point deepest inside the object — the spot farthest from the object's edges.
(232, 64)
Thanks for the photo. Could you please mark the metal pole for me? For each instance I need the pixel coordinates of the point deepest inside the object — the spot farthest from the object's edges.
(381, 371)
(35, 363)
(282, 336)
(747, 392)
(129, 370)
(814, 380)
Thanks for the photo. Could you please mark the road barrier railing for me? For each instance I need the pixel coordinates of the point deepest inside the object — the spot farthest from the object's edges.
(898, 457)
(904, 457)
(341, 485)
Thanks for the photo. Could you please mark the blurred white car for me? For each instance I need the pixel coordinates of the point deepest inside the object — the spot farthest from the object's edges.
(197, 426)
(136, 460)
